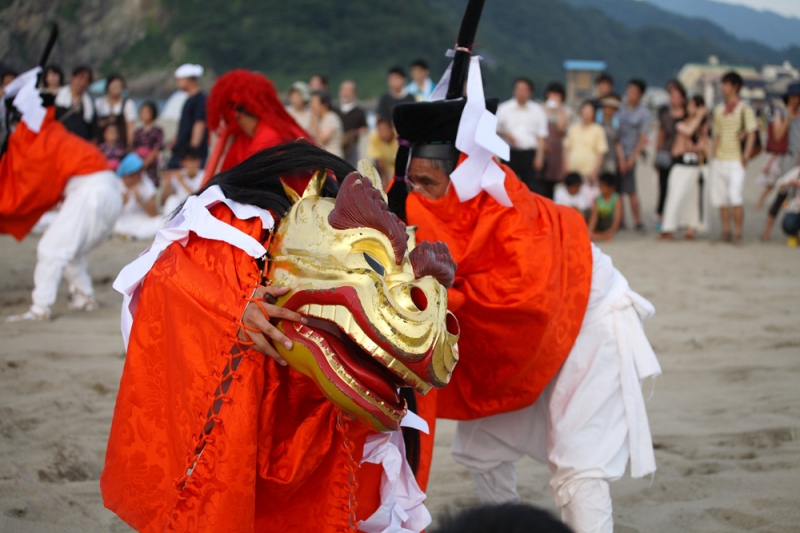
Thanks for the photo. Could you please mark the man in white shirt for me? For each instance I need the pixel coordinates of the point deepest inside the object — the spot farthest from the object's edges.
(523, 124)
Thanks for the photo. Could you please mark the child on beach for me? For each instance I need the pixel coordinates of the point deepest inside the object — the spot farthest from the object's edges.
(139, 218)
(112, 146)
(575, 194)
(183, 182)
(606, 210)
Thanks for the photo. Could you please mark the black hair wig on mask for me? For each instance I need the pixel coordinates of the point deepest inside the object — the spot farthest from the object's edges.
(256, 180)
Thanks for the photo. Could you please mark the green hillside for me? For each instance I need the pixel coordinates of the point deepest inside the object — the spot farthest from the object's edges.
(292, 40)
(639, 15)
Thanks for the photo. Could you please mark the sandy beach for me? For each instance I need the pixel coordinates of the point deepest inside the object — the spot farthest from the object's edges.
(725, 416)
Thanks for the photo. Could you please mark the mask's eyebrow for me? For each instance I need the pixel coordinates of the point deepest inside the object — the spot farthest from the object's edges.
(360, 205)
(434, 259)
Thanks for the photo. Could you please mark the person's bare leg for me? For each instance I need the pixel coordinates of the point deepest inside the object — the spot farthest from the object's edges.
(637, 216)
(768, 228)
(738, 220)
(763, 196)
(724, 215)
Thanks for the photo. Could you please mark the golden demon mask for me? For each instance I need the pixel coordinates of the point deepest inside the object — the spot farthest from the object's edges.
(376, 304)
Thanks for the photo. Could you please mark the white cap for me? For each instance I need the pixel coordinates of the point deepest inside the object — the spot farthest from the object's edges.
(188, 70)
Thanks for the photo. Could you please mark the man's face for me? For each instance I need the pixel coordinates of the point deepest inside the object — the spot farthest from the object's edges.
(522, 91)
(316, 84)
(634, 94)
(80, 82)
(418, 74)
(182, 84)
(603, 89)
(396, 82)
(729, 90)
(427, 179)
(347, 91)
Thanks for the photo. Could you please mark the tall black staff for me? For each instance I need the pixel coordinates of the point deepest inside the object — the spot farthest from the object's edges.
(466, 38)
(48, 48)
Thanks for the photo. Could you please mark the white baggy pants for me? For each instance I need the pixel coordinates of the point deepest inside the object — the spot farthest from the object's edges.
(588, 422)
(682, 207)
(91, 205)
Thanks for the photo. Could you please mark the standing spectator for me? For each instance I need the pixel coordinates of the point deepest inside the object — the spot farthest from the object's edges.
(53, 79)
(586, 146)
(148, 140)
(421, 86)
(397, 93)
(523, 124)
(111, 145)
(326, 126)
(604, 87)
(318, 82)
(114, 107)
(6, 77)
(382, 149)
(732, 118)
(668, 117)
(689, 152)
(74, 107)
(354, 121)
(192, 125)
(785, 127)
(558, 117)
(634, 126)
(299, 94)
(611, 162)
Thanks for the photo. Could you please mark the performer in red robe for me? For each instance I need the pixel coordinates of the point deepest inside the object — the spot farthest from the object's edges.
(552, 349)
(245, 106)
(211, 432)
(43, 165)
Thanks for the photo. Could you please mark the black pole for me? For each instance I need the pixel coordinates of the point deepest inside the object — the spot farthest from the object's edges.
(466, 37)
(48, 48)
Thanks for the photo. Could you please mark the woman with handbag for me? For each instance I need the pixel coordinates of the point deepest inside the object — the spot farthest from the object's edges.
(689, 155)
(668, 117)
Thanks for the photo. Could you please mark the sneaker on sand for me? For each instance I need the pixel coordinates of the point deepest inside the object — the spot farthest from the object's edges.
(34, 314)
(81, 302)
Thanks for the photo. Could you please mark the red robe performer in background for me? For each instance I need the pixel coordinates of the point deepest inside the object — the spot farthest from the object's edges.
(245, 111)
(43, 165)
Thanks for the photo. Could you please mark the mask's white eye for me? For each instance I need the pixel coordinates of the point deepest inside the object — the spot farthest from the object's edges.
(374, 264)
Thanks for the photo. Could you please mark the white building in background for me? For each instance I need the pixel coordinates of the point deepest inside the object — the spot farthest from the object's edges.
(704, 79)
(773, 73)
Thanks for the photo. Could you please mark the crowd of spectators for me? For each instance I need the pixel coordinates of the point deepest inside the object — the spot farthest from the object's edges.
(585, 158)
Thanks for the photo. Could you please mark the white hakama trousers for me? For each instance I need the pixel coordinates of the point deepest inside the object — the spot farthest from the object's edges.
(91, 205)
(682, 207)
(589, 421)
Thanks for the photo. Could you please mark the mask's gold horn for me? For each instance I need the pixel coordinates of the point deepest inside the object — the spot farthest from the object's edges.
(293, 196)
(366, 169)
(316, 184)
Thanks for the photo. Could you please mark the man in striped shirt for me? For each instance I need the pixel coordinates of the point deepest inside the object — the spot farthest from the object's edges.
(732, 119)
